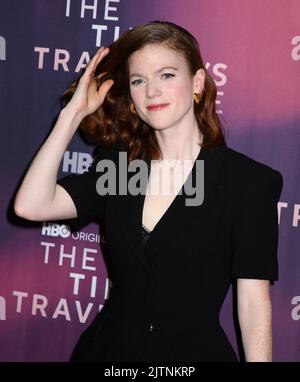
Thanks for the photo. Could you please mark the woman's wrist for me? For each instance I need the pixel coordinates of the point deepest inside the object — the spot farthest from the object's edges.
(71, 116)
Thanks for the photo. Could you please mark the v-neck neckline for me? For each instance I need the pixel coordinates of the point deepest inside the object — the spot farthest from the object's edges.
(177, 216)
(180, 192)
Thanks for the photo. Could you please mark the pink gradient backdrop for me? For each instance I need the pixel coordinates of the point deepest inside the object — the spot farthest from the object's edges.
(247, 45)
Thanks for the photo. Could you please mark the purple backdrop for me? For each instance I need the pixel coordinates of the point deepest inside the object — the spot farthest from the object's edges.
(53, 284)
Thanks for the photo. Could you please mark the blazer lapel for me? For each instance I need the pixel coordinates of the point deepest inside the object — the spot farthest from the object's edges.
(130, 209)
(179, 214)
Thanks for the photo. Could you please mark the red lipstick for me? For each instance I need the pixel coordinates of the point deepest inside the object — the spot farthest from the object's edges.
(157, 106)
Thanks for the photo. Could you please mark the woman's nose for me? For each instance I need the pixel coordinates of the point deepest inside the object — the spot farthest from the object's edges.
(152, 89)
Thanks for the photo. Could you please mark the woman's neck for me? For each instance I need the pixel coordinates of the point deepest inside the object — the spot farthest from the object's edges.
(176, 146)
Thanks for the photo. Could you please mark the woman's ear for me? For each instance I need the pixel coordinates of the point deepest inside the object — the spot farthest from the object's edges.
(199, 79)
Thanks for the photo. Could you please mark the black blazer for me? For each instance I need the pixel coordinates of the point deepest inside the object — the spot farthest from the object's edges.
(166, 297)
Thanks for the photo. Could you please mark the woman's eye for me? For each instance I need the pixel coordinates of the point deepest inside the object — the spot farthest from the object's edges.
(136, 82)
(168, 75)
(139, 81)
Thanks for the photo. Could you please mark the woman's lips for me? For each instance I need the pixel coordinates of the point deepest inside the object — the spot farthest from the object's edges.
(156, 107)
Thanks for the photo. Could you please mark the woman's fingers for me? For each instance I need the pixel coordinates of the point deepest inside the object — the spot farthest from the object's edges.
(94, 59)
(104, 88)
(102, 52)
(100, 75)
(98, 58)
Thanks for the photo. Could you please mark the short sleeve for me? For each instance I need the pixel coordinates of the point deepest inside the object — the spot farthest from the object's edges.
(89, 204)
(255, 228)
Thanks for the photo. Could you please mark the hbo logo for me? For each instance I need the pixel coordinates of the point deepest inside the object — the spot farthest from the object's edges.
(52, 229)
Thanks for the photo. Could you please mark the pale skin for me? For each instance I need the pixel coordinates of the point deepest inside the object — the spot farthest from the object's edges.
(158, 75)
(255, 319)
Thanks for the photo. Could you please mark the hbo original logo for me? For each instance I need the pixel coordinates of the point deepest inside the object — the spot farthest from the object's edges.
(56, 230)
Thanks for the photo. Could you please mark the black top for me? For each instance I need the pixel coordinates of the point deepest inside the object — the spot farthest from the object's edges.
(166, 296)
(145, 234)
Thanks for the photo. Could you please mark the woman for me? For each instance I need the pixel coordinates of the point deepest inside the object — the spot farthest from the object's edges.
(170, 264)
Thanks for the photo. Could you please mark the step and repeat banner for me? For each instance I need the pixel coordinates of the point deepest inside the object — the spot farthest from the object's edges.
(53, 282)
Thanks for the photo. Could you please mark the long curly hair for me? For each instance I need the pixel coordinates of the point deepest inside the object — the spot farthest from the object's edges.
(114, 121)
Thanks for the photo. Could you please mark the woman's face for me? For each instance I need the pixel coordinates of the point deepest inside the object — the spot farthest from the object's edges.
(162, 87)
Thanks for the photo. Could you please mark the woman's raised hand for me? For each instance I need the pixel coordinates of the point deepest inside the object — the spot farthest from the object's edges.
(87, 98)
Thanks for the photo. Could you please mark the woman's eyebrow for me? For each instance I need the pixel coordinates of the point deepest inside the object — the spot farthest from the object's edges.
(157, 71)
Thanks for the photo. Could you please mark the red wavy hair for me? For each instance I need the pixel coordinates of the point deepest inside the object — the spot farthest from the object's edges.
(113, 121)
